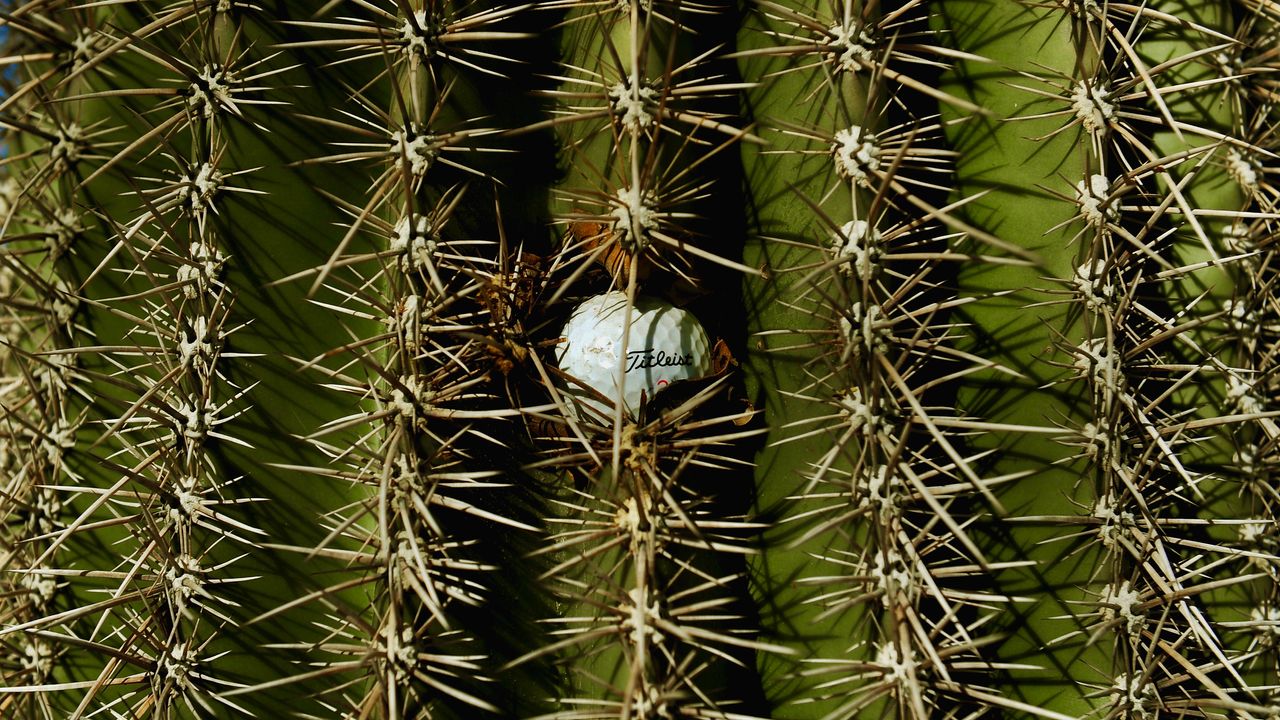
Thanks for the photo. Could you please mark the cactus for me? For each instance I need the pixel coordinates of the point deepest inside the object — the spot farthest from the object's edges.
(989, 430)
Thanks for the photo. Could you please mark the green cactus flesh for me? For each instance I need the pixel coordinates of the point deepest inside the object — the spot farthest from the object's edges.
(990, 429)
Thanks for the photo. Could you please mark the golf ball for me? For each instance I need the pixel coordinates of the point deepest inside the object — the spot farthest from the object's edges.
(665, 344)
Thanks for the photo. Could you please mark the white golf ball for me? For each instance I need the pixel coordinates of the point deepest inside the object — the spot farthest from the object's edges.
(665, 344)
